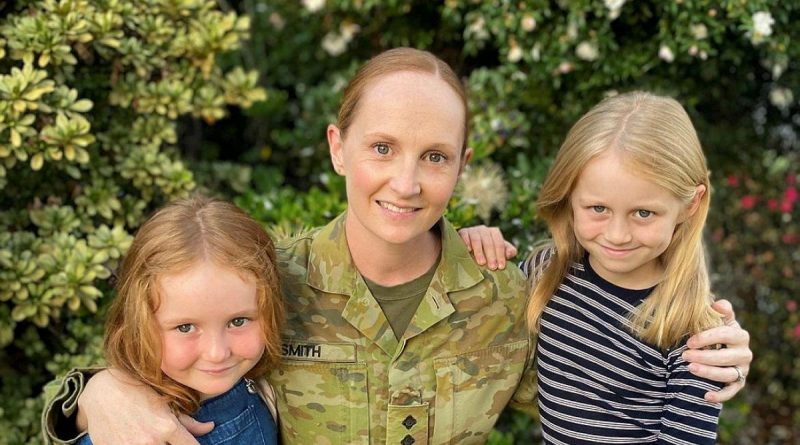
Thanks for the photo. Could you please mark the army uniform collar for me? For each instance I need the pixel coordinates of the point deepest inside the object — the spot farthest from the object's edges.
(331, 268)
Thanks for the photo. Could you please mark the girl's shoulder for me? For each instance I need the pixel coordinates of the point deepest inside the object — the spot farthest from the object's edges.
(537, 261)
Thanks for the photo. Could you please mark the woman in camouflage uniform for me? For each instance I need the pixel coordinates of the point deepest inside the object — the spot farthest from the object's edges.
(394, 334)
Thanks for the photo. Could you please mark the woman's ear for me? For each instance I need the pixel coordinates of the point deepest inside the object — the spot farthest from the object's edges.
(465, 158)
(335, 147)
(694, 204)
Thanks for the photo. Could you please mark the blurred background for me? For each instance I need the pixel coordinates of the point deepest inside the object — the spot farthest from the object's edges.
(109, 108)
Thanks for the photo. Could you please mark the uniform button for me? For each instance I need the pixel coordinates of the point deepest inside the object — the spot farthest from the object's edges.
(408, 440)
(409, 422)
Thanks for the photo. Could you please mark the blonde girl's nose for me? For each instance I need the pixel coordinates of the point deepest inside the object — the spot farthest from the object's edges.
(617, 230)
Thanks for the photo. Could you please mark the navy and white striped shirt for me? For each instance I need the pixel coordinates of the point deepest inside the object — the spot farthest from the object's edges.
(598, 383)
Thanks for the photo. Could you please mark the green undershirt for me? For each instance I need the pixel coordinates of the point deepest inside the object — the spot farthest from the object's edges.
(399, 303)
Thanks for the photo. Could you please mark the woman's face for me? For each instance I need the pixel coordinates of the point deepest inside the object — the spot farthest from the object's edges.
(401, 157)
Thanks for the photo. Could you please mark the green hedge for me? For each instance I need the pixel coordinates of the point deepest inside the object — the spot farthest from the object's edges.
(90, 95)
(105, 109)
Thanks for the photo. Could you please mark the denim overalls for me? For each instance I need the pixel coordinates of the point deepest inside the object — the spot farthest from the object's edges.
(239, 416)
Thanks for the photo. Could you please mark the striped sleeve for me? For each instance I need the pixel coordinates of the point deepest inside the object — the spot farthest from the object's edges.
(687, 419)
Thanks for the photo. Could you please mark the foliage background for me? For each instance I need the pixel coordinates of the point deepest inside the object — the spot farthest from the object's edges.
(77, 177)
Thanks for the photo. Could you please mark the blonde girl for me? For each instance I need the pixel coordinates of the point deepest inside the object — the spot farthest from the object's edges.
(624, 282)
(197, 317)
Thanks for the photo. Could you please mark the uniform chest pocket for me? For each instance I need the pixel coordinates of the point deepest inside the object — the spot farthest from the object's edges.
(322, 402)
(472, 389)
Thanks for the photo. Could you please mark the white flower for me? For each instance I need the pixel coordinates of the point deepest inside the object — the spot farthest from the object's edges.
(762, 26)
(528, 23)
(693, 50)
(334, 43)
(614, 7)
(477, 29)
(277, 21)
(349, 30)
(699, 32)
(762, 23)
(777, 68)
(484, 187)
(572, 31)
(515, 53)
(313, 5)
(564, 67)
(666, 54)
(587, 51)
(536, 52)
(781, 97)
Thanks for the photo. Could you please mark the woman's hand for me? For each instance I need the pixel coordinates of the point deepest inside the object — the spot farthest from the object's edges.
(488, 246)
(721, 365)
(118, 409)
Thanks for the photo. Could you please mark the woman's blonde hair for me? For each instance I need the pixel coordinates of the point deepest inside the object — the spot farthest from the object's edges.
(394, 61)
(176, 237)
(656, 138)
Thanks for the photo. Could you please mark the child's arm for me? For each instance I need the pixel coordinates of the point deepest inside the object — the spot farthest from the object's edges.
(488, 246)
(687, 416)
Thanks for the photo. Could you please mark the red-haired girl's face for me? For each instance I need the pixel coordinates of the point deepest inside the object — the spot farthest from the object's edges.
(211, 333)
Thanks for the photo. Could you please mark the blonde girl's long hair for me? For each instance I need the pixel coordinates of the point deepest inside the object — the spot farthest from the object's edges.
(176, 237)
(656, 138)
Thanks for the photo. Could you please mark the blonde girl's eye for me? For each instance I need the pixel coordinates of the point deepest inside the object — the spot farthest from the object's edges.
(598, 209)
(381, 149)
(641, 213)
(184, 328)
(238, 322)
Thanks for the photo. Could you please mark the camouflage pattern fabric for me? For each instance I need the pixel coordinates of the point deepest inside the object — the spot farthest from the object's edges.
(346, 379)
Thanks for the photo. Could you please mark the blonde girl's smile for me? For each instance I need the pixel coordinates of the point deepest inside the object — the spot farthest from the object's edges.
(624, 221)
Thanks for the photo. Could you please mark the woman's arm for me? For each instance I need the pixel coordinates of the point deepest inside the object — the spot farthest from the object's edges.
(718, 364)
(118, 409)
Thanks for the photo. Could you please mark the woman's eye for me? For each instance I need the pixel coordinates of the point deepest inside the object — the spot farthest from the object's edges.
(381, 149)
(238, 322)
(644, 213)
(598, 209)
(436, 157)
(184, 328)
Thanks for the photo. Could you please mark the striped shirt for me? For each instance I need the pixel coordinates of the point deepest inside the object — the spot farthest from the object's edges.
(598, 383)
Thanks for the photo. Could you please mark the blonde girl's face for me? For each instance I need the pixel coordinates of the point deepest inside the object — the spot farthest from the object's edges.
(210, 327)
(401, 157)
(625, 221)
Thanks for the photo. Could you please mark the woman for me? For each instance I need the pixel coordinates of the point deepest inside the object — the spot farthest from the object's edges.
(394, 334)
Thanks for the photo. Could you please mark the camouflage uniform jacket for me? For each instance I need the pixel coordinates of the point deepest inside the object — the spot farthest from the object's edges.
(346, 379)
